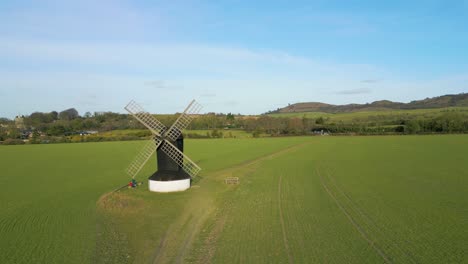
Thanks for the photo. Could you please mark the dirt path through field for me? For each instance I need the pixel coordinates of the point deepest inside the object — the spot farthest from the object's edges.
(209, 244)
(262, 158)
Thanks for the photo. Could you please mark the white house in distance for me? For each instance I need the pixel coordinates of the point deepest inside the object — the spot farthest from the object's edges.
(19, 121)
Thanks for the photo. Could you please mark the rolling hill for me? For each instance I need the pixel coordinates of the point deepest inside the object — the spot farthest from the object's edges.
(435, 102)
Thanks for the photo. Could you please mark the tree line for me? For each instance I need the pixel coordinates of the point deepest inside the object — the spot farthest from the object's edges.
(60, 126)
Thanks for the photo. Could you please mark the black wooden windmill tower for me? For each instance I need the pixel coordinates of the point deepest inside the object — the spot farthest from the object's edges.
(174, 168)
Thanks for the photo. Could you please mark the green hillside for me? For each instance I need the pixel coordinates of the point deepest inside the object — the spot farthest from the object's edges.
(456, 100)
(388, 115)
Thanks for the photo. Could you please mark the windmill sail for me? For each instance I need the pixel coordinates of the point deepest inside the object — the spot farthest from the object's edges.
(162, 141)
(145, 118)
(184, 120)
(183, 161)
(143, 156)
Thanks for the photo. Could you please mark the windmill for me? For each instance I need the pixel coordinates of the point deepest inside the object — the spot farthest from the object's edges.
(174, 168)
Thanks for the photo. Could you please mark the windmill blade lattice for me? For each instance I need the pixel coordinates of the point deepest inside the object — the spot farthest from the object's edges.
(143, 156)
(145, 118)
(183, 161)
(184, 120)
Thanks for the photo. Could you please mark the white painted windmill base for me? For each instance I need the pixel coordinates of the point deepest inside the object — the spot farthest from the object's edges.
(169, 186)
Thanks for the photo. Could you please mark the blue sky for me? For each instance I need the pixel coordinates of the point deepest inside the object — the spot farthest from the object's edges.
(232, 56)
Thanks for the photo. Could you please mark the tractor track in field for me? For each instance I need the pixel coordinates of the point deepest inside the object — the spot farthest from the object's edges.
(210, 242)
(367, 220)
(283, 228)
(353, 222)
(161, 245)
(264, 157)
(185, 245)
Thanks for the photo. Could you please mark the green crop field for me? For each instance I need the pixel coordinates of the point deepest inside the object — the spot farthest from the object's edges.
(367, 116)
(305, 199)
(49, 194)
(227, 133)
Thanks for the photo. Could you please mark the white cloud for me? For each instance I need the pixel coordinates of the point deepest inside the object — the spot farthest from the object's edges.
(208, 94)
(181, 59)
(355, 91)
(162, 85)
(371, 80)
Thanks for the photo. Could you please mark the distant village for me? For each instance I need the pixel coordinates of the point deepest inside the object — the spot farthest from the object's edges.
(28, 133)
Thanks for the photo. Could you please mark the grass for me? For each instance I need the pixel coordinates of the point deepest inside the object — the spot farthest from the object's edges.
(372, 116)
(48, 202)
(49, 196)
(227, 133)
(351, 200)
(304, 199)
